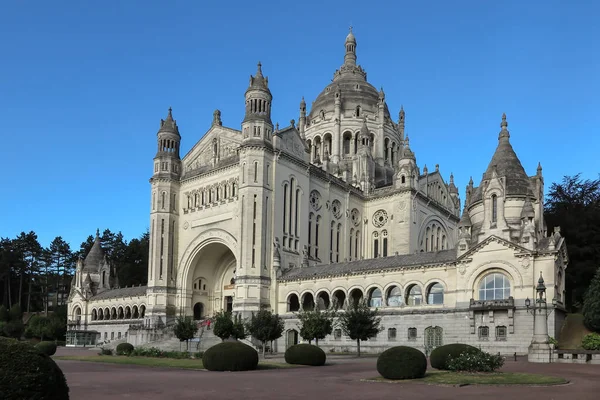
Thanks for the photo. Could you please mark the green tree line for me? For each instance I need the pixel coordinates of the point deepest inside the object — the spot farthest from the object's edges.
(38, 279)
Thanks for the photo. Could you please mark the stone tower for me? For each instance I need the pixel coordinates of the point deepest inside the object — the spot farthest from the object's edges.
(255, 199)
(163, 223)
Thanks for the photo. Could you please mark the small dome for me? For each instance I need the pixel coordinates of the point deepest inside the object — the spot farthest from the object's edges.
(350, 38)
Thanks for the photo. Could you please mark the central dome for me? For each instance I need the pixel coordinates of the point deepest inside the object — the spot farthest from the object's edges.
(350, 82)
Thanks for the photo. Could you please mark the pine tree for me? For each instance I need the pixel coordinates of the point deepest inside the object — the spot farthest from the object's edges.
(591, 304)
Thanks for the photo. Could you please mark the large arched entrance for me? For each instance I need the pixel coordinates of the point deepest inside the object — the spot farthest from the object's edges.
(209, 284)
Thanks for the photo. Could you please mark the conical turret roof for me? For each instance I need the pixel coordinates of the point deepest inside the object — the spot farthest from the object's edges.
(169, 124)
(505, 163)
(95, 256)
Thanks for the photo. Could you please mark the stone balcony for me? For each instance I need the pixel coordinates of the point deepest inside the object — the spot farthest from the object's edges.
(483, 305)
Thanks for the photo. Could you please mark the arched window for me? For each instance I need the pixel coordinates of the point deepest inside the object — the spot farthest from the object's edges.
(94, 315)
(394, 296)
(494, 286)
(435, 294)
(375, 244)
(107, 313)
(350, 243)
(296, 213)
(414, 296)
(100, 314)
(285, 197)
(136, 313)
(347, 140)
(375, 298)
(385, 243)
(127, 312)
(113, 313)
(293, 303)
(308, 302)
(339, 299)
(357, 245)
(403, 179)
(290, 228)
(255, 171)
(494, 208)
(142, 311)
(120, 313)
(331, 241)
(323, 302)
(337, 243)
(318, 222)
(356, 296)
(311, 216)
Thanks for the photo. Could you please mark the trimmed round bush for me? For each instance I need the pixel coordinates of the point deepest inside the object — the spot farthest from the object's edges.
(402, 362)
(29, 374)
(124, 349)
(47, 348)
(439, 357)
(305, 354)
(230, 356)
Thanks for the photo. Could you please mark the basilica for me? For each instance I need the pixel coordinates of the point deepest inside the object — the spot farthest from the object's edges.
(330, 210)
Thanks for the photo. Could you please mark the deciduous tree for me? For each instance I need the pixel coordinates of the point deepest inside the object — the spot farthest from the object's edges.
(360, 322)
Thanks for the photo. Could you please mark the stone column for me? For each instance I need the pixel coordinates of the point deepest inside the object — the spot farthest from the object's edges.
(540, 350)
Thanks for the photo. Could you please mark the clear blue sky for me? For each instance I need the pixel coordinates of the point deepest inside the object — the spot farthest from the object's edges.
(84, 85)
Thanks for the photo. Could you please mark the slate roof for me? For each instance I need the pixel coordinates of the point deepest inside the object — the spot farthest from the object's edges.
(121, 292)
(507, 164)
(374, 264)
(95, 256)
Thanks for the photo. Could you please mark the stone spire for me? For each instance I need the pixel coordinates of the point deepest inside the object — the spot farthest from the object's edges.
(503, 125)
(169, 124)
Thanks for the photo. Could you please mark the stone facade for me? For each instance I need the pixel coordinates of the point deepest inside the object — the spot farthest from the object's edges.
(336, 209)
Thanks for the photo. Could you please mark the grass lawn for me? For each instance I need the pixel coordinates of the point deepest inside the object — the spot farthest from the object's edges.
(185, 363)
(496, 378)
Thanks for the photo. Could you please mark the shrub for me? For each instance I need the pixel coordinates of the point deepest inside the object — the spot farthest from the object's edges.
(305, 354)
(29, 374)
(47, 348)
(440, 356)
(591, 341)
(479, 361)
(124, 349)
(199, 355)
(158, 353)
(553, 341)
(402, 362)
(230, 356)
(105, 352)
(591, 304)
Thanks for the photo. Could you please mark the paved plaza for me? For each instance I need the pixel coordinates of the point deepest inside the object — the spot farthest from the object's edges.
(340, 380)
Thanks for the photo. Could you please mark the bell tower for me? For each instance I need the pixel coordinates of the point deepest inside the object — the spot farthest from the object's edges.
(164, 217)
(253, 280)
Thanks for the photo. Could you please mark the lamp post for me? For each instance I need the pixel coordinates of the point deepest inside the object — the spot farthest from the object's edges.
(540, 350)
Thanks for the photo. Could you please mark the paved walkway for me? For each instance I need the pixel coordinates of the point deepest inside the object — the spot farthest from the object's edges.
(341, 380)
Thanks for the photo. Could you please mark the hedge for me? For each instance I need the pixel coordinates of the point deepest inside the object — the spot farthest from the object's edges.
(230, 356)
(46, 347)
(29, 374)
(305, 354)
(124, 349)
(402, 362)
(440, 356)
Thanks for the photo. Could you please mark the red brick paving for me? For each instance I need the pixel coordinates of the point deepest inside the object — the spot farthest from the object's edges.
(342, 380)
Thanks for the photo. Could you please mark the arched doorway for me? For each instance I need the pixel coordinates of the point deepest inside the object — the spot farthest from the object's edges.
(198, 311)
(209, 282)
(291, 338)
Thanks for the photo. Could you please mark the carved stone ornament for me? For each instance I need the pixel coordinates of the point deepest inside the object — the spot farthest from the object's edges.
(355, 216)
(186, 225)
(315, 200)
(336, 209)
(525, 262)
(380, 218)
